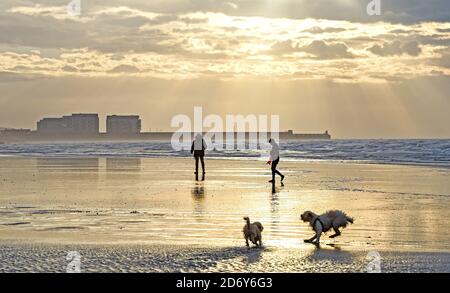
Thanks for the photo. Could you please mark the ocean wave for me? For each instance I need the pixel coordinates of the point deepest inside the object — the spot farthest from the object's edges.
(431, 152)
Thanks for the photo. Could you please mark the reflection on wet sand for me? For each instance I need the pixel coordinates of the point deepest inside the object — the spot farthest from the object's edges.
(121, 168)
(198, 197)
(123, 164)
(333, 254)
(45, 175)
(67, 167)
(198, 191)
(275, 208)
(197, 226)
(119, 198)
(69, 164)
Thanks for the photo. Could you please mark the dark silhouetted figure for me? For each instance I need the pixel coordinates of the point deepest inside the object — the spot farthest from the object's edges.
(274, 160)
(198, 150)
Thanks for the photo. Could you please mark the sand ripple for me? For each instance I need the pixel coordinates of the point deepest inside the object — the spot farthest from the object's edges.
(42, 258)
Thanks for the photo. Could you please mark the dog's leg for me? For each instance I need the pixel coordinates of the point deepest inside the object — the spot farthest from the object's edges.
(336, 232)
(318, 233)
(260, 241)
(246, 242)
(310, 239)
(253, 239)
(317, 238)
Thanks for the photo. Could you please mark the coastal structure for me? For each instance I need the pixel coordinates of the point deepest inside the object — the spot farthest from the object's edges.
(120, 125)
(283, 135)
(290, 135)
(8, 134)
(85, 127)
(78, 124)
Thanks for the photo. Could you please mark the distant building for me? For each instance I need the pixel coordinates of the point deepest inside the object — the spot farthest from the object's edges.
(74, 124)
(291, 135)
(84, 123)
(50, 125)
(118, 124)
(14, 132)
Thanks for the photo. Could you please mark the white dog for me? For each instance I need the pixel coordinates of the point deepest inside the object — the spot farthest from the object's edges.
(252, 232)
(321, 224)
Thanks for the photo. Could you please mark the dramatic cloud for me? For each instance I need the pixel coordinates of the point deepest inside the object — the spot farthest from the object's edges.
(319, 30)
(322, 50)
(317, 49)
(397, 48)
(45, 40)
(125, 69)
(193, 51)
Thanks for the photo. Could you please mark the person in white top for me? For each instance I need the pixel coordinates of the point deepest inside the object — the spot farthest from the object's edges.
(274, 160)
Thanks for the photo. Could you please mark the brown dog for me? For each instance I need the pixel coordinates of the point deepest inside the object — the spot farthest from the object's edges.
(252, 232)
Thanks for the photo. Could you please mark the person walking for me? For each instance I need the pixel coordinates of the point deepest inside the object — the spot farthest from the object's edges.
(198, 150)
(274, 160)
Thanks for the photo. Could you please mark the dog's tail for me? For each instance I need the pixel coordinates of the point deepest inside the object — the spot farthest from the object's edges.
(247, 219)
(350, 219)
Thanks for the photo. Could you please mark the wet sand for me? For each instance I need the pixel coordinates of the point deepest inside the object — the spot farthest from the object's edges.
(123, 213)
(193, 259)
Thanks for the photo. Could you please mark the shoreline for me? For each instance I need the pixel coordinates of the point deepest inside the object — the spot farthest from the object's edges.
(428, 152)
(231, 158)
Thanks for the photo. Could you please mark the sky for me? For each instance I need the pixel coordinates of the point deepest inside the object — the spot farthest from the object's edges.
(320, 65)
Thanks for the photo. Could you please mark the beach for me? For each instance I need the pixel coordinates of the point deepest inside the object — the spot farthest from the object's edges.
(150, 215)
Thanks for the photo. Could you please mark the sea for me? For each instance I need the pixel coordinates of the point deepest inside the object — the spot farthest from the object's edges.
(429, 152)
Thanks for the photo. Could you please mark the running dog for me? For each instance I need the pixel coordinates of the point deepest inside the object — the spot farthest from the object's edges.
(252, 232)
(322, 223)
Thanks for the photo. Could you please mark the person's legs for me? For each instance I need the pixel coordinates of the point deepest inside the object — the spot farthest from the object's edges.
(203, 167)
(274, 169)
(196, 164)
(202, 160)
(279, 173)
(282, 177)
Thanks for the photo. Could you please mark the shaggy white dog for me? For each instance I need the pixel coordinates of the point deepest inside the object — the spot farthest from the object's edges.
(252, 232)
(321, 224)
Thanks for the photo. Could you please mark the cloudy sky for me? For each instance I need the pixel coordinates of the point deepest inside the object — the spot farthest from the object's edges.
(319, 64)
